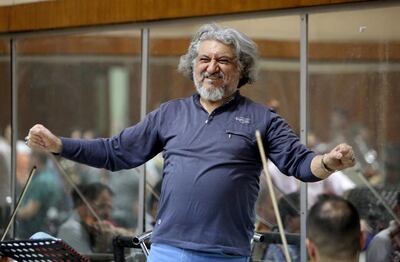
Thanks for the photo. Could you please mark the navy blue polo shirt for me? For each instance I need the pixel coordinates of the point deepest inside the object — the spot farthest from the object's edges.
(211, 167)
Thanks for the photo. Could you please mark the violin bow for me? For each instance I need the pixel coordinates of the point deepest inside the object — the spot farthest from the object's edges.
(272, 195)
(28, 182)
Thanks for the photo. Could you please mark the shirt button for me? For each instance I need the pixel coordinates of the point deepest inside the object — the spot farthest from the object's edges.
(206, 121)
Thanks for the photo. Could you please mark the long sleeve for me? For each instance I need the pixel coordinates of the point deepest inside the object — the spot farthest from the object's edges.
(286, 151)
(380, 247)
(130, 148)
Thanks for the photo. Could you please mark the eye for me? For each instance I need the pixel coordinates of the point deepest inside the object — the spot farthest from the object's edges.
(223, 61)
(204, 59)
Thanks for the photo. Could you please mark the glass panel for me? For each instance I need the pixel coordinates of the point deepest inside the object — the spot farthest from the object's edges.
(354, 93)
(5, 133)
(278, 86)
(80, 86)
(166, 45)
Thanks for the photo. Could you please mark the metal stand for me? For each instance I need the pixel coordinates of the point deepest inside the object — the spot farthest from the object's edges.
(49, 250)
(139, 241)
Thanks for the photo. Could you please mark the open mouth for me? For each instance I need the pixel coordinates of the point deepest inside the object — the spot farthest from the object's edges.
(212, 77)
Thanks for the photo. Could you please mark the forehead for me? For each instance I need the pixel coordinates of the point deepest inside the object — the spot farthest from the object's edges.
(104, 196)
(215, 48)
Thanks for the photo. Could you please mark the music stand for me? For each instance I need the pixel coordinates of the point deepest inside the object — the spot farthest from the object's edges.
(49, 250)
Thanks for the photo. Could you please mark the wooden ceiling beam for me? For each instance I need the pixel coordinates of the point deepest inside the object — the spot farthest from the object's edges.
(61, 14)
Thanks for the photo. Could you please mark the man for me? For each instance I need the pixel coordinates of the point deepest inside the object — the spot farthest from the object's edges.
(333, 231)
(81, 230)
(212, 163)
(44, 193)
(385, 245)
(289, 209)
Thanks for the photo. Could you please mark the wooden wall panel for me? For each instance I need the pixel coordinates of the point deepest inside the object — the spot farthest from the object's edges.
(78, 13)
(5, 96)
(4, 18)
(270, 49)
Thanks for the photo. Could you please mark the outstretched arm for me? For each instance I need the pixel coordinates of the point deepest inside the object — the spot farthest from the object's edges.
(130, 148)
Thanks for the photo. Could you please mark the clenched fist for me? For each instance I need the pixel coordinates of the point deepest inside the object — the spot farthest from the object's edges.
(39, 137)
(341, 157)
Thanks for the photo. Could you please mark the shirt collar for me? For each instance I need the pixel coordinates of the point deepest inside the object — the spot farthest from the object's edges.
(234, 100)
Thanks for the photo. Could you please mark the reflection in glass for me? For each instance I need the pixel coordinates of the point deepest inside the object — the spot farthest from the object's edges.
(353, 99)
(81, 86)
(5, 133)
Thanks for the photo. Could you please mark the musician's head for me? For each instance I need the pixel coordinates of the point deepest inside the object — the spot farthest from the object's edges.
(219, 60)
(289, 206)
(98, 195)
(333, 230)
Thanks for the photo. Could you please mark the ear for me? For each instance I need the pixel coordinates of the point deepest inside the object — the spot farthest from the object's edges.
(312, 250)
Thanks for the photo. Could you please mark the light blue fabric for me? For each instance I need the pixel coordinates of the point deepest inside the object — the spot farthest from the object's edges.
(42, 235)
(166, 253)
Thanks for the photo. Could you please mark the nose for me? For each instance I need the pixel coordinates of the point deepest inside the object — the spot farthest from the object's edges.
(213, 67)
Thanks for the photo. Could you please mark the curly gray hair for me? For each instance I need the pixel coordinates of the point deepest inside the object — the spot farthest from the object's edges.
(245, 48)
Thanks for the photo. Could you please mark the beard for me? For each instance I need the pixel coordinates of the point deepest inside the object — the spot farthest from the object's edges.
(215, 93)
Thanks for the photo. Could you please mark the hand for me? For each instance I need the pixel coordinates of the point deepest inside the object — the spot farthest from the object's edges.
(41, 138)
(341, 157)
(107, 227)
(103, 232)
(101, 227)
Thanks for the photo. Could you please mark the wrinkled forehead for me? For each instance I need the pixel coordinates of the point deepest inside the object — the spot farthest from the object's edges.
(214, 48)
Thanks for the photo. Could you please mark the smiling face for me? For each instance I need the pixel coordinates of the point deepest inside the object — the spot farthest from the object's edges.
(216, 72)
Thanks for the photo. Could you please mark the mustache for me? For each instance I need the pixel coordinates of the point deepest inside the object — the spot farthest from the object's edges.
(217, 75)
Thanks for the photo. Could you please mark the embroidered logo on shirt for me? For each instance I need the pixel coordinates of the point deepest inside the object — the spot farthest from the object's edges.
(243, 120)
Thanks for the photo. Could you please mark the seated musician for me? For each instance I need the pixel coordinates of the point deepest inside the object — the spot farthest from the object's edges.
(334, 231)
(82, 230)
(385, 246)
(289, 206)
